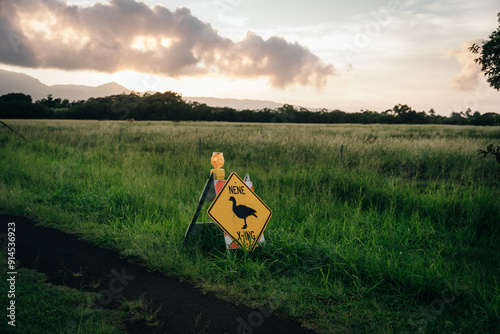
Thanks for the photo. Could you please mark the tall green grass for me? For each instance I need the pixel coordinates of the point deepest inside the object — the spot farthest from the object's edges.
(401, 234)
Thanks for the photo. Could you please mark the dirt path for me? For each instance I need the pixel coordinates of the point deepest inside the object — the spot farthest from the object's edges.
(67, 260)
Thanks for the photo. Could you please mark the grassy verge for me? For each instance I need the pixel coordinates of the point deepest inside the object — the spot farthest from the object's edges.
(400, 235)
(44, 308)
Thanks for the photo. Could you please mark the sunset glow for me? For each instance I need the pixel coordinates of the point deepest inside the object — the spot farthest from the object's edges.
(364, 55)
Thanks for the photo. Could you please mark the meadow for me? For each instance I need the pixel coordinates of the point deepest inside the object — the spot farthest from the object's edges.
(398, 234)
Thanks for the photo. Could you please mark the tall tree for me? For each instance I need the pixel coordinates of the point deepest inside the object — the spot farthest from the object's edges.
(489, 57)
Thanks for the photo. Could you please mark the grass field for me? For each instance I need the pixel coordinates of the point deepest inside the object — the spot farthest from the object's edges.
(401, 235)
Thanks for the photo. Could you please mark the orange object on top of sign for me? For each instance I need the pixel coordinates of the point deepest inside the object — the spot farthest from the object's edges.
(217, 160)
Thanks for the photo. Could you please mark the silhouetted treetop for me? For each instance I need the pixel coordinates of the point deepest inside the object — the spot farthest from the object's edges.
(489, 57)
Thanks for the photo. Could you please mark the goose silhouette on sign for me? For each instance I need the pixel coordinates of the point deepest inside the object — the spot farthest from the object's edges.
(242, 212)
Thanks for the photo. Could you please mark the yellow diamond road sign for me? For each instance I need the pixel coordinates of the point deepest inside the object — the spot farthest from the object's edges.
(240, 212)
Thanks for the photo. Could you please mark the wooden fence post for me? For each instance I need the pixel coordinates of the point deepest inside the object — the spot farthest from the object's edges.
(341, 154)
(199, 148)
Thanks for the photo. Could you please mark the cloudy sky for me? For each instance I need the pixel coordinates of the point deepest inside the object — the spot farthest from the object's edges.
(348, 55)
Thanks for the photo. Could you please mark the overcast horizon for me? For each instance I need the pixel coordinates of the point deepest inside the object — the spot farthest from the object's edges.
(336, 55)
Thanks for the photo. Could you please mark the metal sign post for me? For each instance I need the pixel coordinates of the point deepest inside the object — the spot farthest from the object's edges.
(208, 194)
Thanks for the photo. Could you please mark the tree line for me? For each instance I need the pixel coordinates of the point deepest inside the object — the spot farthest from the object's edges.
(171, 107)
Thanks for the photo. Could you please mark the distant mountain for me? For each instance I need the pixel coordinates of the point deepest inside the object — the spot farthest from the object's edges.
(234, 103)
(12, 82)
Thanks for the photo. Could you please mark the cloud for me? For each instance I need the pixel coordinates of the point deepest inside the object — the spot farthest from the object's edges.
(468, 79)
(129, 35)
